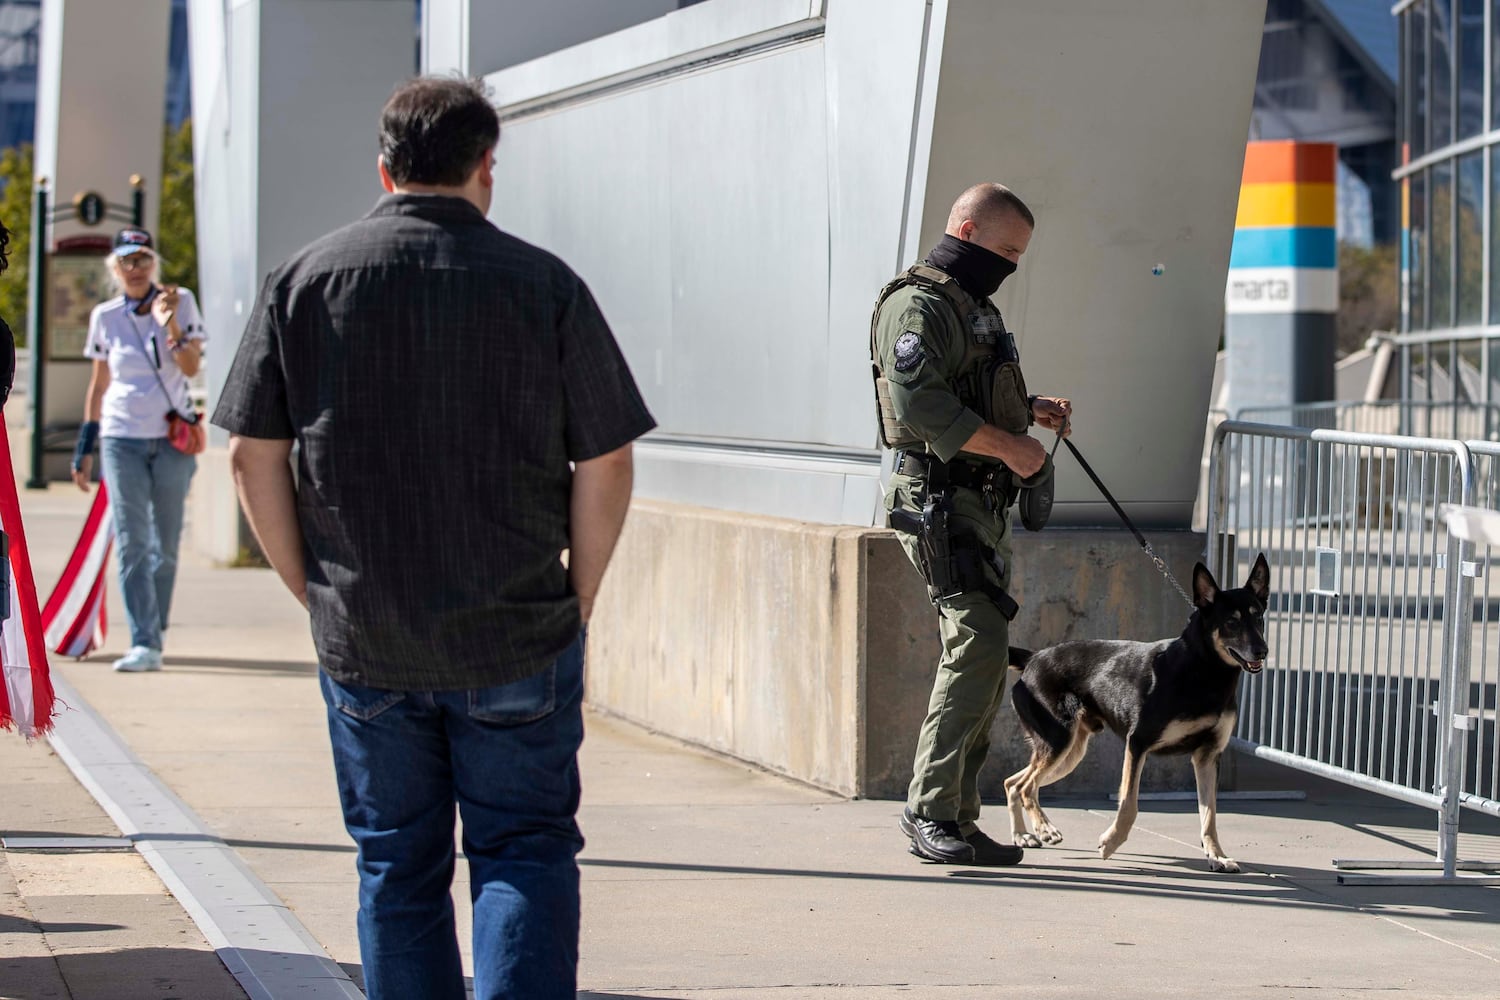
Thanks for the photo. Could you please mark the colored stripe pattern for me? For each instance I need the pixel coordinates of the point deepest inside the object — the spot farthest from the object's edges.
(26, 698)
(75, 619)
(1285, 254)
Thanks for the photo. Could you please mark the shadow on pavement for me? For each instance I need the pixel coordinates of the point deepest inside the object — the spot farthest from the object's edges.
(1259, 885)
(356, 972)
(124, 974)
(213, 664)
(11, 924)
(217, 664)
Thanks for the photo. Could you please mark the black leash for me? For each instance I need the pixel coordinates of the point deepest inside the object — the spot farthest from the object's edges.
(1145, 545)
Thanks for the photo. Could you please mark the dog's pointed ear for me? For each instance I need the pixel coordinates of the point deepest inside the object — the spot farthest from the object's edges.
(1204, 587)
(1259, 583)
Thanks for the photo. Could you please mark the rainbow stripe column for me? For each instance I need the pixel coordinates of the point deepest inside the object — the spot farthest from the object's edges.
(1283, 293)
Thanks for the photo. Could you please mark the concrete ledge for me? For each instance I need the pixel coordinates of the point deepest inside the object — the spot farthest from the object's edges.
(810, 649)
(739, 633)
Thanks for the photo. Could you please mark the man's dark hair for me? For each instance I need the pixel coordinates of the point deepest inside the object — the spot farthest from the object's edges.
(435, 130)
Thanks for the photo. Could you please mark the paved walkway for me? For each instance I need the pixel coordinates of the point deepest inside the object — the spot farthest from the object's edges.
(703, 877)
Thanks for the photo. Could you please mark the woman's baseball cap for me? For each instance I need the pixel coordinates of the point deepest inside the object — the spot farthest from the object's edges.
(132, 240)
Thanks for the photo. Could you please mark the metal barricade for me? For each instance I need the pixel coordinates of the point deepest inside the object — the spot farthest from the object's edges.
(1369, 624)
(1459, 420)
(1480, 682)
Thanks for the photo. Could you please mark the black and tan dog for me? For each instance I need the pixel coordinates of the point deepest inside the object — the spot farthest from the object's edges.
(1170, 697)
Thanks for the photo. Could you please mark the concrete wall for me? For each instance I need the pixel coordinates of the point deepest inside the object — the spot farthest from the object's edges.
(810, 649)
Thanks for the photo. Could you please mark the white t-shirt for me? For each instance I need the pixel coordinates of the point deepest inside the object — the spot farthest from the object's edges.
(134, 345)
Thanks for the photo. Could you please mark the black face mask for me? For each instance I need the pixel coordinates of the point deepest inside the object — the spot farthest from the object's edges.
(977, 270)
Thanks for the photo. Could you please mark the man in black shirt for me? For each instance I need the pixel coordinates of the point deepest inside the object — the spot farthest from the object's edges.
(440, 377)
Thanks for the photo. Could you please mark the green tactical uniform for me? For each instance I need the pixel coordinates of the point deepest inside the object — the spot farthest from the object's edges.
(945, 365)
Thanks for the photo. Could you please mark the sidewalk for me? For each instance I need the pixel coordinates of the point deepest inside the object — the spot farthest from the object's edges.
(703, 877)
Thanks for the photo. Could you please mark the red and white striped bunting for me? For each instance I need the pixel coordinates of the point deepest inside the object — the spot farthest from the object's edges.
(26, 697)
(74, 619)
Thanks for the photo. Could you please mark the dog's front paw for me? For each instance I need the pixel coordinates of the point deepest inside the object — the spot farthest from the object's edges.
(1223, 865)
(1025, 839)
(1109, 843)
(1049, 833)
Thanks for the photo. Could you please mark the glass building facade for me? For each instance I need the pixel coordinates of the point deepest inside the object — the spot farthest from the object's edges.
(1449, 176)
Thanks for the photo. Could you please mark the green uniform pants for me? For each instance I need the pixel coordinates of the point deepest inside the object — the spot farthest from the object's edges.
(972, 672)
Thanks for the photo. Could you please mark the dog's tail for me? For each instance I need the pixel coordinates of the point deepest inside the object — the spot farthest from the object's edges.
(1037, 720)
(1019, 657)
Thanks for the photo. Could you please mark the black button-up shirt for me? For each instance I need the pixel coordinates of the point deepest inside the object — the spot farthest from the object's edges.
(439, 376)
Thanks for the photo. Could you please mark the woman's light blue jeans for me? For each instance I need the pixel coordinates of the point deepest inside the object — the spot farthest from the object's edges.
(148, 483)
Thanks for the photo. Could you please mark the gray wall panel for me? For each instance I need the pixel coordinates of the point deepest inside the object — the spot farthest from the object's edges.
(749, 248)
(698, 214)
(607, 217)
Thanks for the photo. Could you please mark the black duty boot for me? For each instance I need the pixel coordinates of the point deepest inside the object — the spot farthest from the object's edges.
(935, 840)
(992, 854)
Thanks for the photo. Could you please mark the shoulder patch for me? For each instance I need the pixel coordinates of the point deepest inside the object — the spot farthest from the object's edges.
(908, 351)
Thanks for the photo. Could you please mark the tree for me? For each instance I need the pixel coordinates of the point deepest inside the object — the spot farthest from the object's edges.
(178, 236)
(15, 213)
(1369, 297)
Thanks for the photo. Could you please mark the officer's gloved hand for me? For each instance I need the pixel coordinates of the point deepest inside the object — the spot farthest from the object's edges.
(1035, 502)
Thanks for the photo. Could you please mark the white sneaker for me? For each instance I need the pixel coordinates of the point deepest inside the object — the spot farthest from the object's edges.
(139, 660)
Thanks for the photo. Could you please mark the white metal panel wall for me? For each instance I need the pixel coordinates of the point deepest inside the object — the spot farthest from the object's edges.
(703, 231)
(1123, 127)
(734, 218)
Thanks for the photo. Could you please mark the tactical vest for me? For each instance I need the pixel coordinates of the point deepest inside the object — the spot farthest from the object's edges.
(988, 381)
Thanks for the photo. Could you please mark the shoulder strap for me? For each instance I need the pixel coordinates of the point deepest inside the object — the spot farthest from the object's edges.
(928, 278)
(130, 315)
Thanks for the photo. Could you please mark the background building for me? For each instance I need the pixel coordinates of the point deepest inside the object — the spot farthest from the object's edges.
(20, 26)
(1450, 189)
(1328, 71)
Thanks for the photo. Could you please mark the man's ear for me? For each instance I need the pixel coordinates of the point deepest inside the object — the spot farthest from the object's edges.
(385, 176)
(966, 229)
(487, 169)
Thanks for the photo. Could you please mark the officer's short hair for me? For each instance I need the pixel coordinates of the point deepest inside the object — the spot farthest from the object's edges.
(436, 130)
(986, 202)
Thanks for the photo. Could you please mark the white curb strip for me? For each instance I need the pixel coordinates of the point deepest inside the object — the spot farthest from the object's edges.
(255, 935)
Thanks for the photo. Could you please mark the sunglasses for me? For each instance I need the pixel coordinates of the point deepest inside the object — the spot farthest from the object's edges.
(137, 262)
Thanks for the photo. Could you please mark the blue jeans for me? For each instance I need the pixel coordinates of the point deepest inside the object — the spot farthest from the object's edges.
(148, 483)
(507, 756)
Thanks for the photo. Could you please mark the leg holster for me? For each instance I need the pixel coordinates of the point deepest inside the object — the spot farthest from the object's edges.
(952, 564)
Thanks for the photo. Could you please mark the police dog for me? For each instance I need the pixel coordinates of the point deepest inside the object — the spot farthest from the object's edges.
(1173, 696)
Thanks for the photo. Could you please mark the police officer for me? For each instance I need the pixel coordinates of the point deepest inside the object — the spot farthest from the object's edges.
(954, 405)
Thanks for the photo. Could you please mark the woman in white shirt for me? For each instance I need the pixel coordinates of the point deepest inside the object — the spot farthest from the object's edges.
(145, 344)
